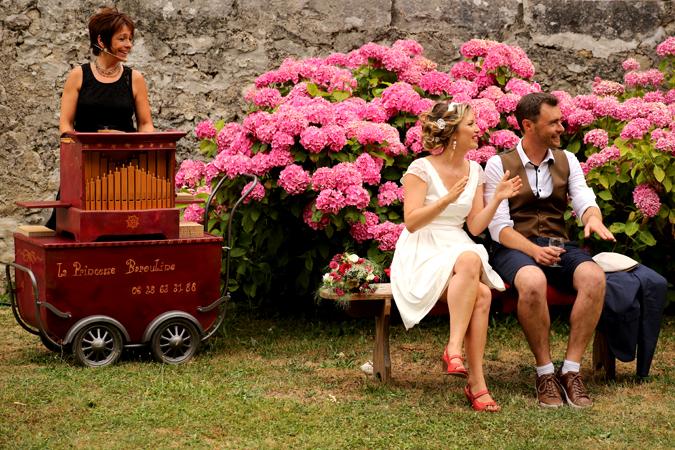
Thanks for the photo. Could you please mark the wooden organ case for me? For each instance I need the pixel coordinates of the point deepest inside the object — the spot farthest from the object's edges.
(118, 184)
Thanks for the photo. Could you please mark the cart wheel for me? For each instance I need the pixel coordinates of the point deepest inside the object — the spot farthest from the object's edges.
(175, 341)
(97, 345)
(56, 348)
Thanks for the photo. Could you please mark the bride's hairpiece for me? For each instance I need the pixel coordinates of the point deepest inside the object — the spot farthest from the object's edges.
(440, 123)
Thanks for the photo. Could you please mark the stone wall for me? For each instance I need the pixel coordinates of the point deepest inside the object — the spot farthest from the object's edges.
(200, 56)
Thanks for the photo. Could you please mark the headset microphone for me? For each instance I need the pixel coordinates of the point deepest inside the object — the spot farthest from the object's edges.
(104, 50)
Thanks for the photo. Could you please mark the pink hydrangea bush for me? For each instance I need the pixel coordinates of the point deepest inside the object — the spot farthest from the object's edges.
(330, 137)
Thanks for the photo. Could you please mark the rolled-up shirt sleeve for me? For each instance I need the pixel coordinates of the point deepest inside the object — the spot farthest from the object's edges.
(494, 171)
(581, 195)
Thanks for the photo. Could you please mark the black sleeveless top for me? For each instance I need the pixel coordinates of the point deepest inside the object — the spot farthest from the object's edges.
(103, 106)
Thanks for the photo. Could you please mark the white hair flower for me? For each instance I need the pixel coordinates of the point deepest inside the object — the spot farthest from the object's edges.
(440, 123)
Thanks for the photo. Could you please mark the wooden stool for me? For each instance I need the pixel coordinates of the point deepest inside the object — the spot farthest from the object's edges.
(376, 304)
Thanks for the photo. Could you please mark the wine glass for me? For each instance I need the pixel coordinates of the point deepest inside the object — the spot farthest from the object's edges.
(557, 243)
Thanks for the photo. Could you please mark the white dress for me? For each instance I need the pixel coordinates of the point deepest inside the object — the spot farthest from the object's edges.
(423, 260)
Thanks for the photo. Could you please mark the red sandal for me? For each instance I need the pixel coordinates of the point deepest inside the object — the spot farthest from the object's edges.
(455, 369)
(478, 405)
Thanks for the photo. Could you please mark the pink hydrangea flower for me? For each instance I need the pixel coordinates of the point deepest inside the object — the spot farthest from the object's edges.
(307, 214)
(646, 200)
(493, 93)
(601, 158)
(507, 103)
(521, 87)
(336, 137)
(230, 133)
(233, 165)
(346, 174)
(598, 137)
(464, 70)
(369, 168)
(194, 213)
(605, 87)
(504, 139)
(476, 48)
(481, 154)
(205, 130)
(264, 97)
(513, 122)
(389, 193)
(359, 231)
(486, 114)
(400, 97)
(466, 87)
(257, 194)
(356, 196)
(579, 118)
(630, 64)
(413, 139)
(294, 179)
(651, 77)
(435, 82)
(664, 140)
(313, 139)
(666, 47)
(386, 234)
(330, 201)
(190, 173)
(654, 97)
(323, 179)
(635, 129)
(408, 46)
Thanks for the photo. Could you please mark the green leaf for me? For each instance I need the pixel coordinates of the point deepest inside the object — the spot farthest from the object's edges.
(605, 195)
(574, 146)
(646, 237)
(659, 174)
(340, 96)
(631, 228)
(313, 90)
(237, 252)
(309, 263)
(617, 227)
(208, 147)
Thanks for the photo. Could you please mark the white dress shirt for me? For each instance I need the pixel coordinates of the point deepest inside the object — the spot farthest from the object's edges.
(541, 183)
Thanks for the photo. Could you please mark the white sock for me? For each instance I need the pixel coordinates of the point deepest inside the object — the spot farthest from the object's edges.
(546, 369)
(570, 366)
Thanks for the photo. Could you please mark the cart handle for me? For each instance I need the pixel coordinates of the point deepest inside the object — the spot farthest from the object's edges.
(214, 305)
(12, 298)
(228, 245)
(38, 303)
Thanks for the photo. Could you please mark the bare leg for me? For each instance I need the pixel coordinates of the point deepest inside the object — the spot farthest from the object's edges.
(533, 312)
(476, 337)
(589, 282)
(461, 295)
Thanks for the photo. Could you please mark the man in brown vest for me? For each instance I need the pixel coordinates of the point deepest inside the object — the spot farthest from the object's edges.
(521, 229)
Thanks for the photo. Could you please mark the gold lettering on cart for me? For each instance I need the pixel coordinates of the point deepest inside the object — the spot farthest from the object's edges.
(157, 266)
(80, 270)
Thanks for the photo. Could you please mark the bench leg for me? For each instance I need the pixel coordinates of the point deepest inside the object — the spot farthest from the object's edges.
(603, 357)
(381, 361)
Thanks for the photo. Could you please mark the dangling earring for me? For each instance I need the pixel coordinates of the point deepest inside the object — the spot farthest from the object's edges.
(454, 145)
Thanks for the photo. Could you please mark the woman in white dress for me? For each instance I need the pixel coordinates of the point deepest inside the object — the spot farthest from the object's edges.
(434, 256)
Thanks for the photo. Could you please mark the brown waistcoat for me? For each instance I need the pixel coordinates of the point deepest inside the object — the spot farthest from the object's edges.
(533, 216)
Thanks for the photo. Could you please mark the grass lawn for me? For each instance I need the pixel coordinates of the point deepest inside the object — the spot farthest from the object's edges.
(296, 383)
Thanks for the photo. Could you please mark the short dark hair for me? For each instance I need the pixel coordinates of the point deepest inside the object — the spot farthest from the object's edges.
(105, 23)
(529, 106)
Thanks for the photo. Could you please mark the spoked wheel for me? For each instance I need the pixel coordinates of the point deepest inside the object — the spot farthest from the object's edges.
(97, 345)
(175, 341)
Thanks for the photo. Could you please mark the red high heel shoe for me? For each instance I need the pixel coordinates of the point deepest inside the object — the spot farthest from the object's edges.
(490, 406)
(455, 369)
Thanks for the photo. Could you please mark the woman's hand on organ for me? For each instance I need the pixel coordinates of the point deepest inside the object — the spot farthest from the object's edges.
(507, 188)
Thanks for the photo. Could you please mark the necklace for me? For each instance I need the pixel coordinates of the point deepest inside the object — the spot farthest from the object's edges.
(108, 73)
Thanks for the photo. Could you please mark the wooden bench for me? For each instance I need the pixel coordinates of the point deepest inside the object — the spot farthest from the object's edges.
(378, 304)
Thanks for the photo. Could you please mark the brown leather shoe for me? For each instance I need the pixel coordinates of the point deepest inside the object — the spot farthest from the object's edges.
(549, 391)
(574, 390)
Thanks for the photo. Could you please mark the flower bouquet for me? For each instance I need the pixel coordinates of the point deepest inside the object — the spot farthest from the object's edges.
(350, 274)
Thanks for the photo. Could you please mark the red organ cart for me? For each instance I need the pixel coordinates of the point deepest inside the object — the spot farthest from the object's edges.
(117, 273)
